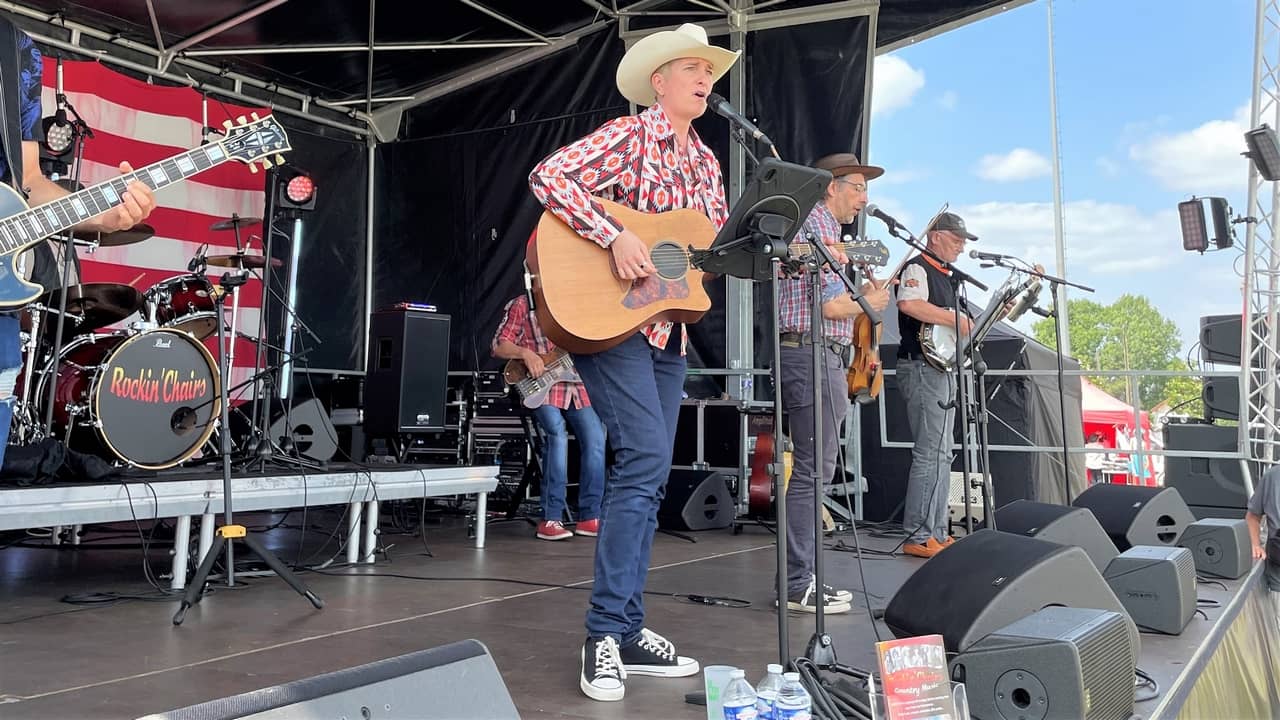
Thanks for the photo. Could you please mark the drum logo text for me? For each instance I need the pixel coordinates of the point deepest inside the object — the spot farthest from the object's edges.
(145, 387)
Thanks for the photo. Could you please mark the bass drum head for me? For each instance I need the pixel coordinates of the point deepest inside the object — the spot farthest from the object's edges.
(156, 398)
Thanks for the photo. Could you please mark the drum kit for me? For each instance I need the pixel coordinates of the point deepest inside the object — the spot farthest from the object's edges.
(131, 379)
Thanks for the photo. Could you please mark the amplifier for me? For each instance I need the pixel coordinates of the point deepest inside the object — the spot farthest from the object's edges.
(406, 377)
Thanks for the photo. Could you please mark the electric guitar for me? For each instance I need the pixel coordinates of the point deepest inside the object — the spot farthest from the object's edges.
(534, 390)
(584, 307)
(262, 139)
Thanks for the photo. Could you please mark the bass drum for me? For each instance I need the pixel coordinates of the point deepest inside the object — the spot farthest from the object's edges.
(149, 399)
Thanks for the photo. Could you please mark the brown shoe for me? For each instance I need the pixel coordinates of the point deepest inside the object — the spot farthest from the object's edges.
(949, 541)
(927, 550)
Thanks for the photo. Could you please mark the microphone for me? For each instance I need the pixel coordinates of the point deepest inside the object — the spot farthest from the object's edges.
(1026, 301)
(722, 108)
(198, 260)
(979, 255)
(884, 217)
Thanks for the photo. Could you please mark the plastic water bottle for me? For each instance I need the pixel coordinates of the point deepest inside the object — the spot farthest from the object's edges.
(793, 701)
(767, 692)
(739, 699)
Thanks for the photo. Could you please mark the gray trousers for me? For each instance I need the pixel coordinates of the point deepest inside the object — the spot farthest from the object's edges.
(924, 512)
(797, 401)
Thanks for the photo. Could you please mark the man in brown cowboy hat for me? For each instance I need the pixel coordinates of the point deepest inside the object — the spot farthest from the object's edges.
(653, 162)
(846, 196)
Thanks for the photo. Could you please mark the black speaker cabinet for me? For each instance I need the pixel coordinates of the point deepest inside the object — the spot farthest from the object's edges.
(990, 579)
(1219, 546)
(1137, 514)
(1206, 483)
(1221, 397)
(696, 500)
(407, 374)
(308, 428)
(1057, 663)
(1157, 585)
(1062, 524)
(1220, 339)
(456, 681)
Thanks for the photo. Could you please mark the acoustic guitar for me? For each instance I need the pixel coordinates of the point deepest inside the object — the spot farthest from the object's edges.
(584, 307)
(558, 368)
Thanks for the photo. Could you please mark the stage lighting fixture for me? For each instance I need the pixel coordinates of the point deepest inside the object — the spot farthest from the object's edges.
(1195, 236)
(297, 191)
(58, 134)
(1223, 233)
(1264, 151)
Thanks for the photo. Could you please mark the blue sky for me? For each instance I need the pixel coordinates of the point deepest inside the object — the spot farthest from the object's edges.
(1152, 100)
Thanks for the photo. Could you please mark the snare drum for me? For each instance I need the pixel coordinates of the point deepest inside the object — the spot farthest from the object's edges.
(185, 303)
(149, 399)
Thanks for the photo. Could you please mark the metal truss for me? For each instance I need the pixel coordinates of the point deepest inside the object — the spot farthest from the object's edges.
(1259, 437)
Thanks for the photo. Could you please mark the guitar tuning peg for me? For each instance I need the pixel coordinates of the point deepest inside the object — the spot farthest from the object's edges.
(279, 159)
(255, 117)
(253, 168)
(241, 120)
(227, 124)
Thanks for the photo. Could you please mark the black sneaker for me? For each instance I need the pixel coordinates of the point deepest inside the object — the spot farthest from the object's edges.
(602, 671)
(834, 595)
(655, 655)
(807, 601)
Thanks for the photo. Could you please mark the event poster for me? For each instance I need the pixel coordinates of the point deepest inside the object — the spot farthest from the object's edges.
(913, 677)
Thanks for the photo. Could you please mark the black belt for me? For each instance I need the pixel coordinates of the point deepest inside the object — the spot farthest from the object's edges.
(792, 339)
(911, 356)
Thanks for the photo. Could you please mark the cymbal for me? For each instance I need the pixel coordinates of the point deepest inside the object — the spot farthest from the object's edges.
(135, 234)
(250, 262)
(100, 304)
(232, 222)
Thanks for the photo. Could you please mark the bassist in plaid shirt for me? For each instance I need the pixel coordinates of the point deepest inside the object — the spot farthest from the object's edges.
(520, 338)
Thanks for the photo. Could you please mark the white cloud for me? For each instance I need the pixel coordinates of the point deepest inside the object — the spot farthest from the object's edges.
(1017, 164)
(1203, 159)
(896, 84)
(949, 100)
(1109, 167)
(902, 177)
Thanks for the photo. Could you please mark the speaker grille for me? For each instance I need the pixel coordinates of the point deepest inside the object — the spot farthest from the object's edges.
(1106, 663)
(1186, 563)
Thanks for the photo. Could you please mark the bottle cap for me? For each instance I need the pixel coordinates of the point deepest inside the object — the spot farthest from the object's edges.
(791, 677)
(737, 673)
(774, 668)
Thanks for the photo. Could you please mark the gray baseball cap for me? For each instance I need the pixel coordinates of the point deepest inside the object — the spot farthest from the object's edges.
(952, 222)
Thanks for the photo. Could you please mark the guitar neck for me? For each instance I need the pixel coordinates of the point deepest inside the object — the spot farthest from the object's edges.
(26, 228)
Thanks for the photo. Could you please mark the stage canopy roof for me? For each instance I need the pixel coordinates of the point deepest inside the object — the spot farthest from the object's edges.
(311, 56)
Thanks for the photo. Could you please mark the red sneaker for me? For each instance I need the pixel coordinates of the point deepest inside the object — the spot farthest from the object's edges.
(553, 530)
(590, 528)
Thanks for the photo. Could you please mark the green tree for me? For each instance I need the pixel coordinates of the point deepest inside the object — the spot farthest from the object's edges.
(1183, 393)
(1128, 334)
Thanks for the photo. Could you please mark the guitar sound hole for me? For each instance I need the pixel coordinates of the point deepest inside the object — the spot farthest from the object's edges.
(670, 260)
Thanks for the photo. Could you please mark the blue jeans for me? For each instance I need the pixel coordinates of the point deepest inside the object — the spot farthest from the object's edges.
(10, 366)
(636, 389)
(555, 460)
(925, 510)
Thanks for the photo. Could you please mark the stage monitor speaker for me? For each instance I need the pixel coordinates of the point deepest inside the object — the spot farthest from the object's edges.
(990, 579)
(696, 500)
(405, 385)
(459, 680)
(1057, 663)
(1220, 339)
(308, 427)
(1221, 397)
(1220, 547)
(1137, 514)
(1157, 585)
(1062, 524)
(1206, 482)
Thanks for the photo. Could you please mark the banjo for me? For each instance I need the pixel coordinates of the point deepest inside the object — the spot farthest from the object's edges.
(938, 343)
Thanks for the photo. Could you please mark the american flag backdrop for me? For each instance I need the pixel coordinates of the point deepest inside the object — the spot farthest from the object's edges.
(141, 123)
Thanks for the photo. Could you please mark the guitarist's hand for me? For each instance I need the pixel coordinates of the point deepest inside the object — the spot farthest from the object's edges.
(630, 256)
(533, 363)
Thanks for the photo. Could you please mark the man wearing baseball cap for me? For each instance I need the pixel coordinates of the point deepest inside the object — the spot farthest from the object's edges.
(926, 296)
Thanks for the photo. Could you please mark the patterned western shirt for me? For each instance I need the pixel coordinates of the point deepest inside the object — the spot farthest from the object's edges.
(634, 161)
(520, 328)
(794, 302)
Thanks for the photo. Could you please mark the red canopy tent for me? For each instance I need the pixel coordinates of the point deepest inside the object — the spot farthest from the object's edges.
(1113, 419)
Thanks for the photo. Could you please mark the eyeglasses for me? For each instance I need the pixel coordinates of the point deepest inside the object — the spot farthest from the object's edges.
(857, 187)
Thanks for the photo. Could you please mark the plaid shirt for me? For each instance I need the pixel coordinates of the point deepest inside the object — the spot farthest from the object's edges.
(634, 161)
(520, 328)
(794, 300)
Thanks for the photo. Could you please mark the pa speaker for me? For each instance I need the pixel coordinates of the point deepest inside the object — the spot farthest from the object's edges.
(1060, 662)
(1219, 547)
(452, 681)
(308, 428)
(1062, 524)
(1206, 482)
(1220, 339)
(1156, 585)
(990, 579)
(1136, 514)
(405, 382)
(696, 500)
(1221, 397)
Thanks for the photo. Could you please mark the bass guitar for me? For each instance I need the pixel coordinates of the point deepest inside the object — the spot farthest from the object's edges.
(558, 368)
(584, 307)
(262, 139)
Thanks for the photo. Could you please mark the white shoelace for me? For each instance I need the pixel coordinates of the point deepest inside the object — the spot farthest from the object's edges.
(609, 659)
(657, 644)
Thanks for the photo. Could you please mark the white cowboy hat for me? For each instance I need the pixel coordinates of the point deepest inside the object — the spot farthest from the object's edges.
(653, 51)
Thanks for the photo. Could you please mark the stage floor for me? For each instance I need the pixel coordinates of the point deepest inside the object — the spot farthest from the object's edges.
(126, 660)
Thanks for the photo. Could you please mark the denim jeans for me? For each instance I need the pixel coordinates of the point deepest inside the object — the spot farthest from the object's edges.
(10, 366)
(555, 460)
(924, 513)
(636, 389)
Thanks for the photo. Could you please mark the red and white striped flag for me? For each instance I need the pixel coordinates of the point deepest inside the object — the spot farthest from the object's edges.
(139, 123)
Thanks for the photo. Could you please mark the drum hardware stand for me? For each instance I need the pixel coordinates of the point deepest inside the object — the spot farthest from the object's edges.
(229, 532)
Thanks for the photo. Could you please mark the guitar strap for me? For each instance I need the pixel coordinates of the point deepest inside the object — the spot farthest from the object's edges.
(11, 102)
